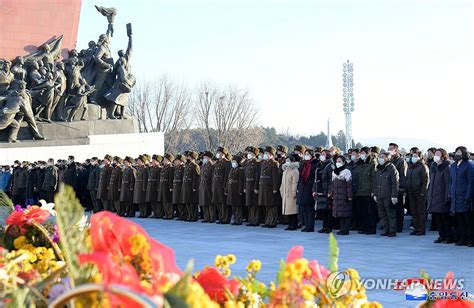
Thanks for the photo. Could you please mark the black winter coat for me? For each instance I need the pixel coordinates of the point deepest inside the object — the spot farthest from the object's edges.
(439, 188)
(305, 188)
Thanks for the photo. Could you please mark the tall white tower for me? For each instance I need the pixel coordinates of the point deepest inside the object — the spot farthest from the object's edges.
(329, 141)
(348, 98)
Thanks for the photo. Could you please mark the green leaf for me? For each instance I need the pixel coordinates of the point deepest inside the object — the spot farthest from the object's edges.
(72, 239)
(6, 208)
(333, 253)
(174, 301)
(280, 272)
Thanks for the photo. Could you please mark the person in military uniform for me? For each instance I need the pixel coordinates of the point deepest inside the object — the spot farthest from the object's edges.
(219, 182)
(166, 186)
(104, 179)
(50, 182)
(93, 184)
(19, 184)
(235, 189)
(40, 179)
(153, 186)
(139, 190)
(282, 152)
(126, 189)
(269, 187)
(177, 185)
(205, 188)
(252, 177)
(114, 184)
(189, 191)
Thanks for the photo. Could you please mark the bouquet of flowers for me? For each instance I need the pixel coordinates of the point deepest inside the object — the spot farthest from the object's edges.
(52, 255)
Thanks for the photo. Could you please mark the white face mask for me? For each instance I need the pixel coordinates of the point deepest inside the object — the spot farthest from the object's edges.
(414, 159)
(322, 158)
(407, 159)
(205, 160)
(307, 157)
(219, 155)
(339, 165)
(265, 156)
(234, 164)
(437, 158)
(363, 157)
(249, 156)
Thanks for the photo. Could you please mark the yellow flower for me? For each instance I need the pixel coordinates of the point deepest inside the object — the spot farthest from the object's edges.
(234, 304)
(218, 260)
(231, 258)
(227, 272)
(140, 244)
(19, 242)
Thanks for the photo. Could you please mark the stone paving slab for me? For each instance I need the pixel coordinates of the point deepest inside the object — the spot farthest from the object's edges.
(372, 255)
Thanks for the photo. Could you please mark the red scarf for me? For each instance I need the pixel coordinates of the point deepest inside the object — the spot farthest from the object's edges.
(306, 171)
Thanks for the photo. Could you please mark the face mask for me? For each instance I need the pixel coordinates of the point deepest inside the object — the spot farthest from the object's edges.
(414, 160)
(457, 157)
(353, 157)
(407, 159)
(307, 157)
(50, 164)
(219, 155)
(363, 157)
(3, 169)
(265, 156)
(249, 156)
(322, 158)
(205, 160)
(339, 165)
(381, 161)
(69, 161)
(393, 152)
(437, 158)
(234, 164)
(30, 167)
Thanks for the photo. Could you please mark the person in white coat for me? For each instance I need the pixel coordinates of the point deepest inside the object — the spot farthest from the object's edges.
(288, 190)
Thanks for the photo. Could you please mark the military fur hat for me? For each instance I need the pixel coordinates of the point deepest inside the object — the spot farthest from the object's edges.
(252, 149)
(169, 156)
(193, 154)
(118, 159)
(282, 148)
(222, 150)
(129, 159)
(108, 157)
(375, 149)
(180, 157)
(228, 156)
(318, 149)
(207, 154)
(237, 158)
(147, 157)
(157, 157)
(300, 148)
(270, 149)
(142, 158)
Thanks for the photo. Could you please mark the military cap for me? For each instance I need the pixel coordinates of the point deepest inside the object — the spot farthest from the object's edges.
(129, 159)
(118, 159)
(300, 148)
(169, 156)
(375, 149)
(157, 157)
(252, 149)
(193, 154)
(228, 156)
(222, 150)
(237, 158)
(108, 157)
(180, 157)
(270, 149)
(282, 148)
(207, 154)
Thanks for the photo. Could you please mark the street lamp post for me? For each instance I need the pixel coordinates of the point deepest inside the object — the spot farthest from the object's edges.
(348, 99)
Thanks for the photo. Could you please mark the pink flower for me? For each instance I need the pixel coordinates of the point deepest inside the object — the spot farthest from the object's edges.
(318, 272)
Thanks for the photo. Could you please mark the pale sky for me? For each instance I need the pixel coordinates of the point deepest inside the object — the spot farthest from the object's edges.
(413, 59)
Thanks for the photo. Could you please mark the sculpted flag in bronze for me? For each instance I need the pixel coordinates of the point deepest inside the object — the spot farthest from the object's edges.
(42, 87)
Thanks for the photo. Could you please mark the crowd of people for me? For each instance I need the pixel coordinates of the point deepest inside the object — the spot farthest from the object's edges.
(351, 191)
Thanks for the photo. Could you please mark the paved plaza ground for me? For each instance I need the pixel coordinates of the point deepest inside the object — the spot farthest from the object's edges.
(372, 255)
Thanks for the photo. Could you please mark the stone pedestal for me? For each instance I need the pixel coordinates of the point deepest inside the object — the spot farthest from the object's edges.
(59, 133)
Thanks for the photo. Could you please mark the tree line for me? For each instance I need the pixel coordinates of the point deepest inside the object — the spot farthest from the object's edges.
(208, 116)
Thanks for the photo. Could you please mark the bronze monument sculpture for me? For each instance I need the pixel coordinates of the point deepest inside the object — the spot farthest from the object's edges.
(42, 87)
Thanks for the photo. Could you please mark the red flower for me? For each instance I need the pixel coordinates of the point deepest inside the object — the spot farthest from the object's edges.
(111, 234)
(32, 214)
(113, 274)
(215, 284)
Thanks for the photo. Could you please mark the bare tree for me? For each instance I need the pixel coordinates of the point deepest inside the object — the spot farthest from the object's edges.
(163, 106)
